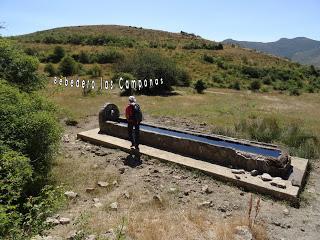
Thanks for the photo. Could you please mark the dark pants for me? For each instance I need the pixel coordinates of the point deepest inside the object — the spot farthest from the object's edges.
(134, 133)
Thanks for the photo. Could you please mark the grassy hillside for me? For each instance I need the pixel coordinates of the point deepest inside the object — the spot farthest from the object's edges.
(223, 66)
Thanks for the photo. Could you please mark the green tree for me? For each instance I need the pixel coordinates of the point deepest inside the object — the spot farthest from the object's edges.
(148, 64)
(58, 54)
(255, 85)
(68, 66)
(200, 86)
(18, 68)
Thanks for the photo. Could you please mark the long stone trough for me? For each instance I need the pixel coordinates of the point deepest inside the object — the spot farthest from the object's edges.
(223, 151)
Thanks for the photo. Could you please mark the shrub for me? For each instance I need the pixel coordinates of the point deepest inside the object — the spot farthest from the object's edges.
(267, 129)
(208, 58)
(124, 76)
(95, 71)
(236, 85)
(109, 56)
(28, 125)
(18, 68)
(200, 86)
(68, 66)
(260, 129)
(147, 64)
(15, 174)
(50, 69)
(58, 54)
(31, 51)
(255, 85)
(294, 91)
(83, 57)
(199, 45)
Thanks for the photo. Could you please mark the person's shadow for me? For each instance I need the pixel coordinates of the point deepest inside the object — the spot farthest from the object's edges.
(133, 160)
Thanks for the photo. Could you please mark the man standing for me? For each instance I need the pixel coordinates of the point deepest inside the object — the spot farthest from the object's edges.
(134, 117)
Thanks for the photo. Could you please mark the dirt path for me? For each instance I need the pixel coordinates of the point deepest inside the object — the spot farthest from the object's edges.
(163, 201)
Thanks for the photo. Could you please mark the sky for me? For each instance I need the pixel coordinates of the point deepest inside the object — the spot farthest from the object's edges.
(251, 20)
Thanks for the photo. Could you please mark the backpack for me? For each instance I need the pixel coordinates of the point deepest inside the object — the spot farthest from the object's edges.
(137, 114)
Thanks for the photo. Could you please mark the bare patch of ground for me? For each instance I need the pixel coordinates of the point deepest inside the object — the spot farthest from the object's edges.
(157, 200)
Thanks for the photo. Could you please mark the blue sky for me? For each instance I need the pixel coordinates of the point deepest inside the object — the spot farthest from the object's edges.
(252, 20)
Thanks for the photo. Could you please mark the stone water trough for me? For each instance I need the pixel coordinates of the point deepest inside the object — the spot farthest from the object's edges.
(220, 151)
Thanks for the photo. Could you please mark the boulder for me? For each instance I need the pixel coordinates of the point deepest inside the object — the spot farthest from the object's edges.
(71, 194)
(103, 184)
(266, 177)
(254, 172)
(64, 220)
(114, 206)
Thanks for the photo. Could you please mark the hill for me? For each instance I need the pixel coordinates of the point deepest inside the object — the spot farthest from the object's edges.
(219, 65)
(300, 49)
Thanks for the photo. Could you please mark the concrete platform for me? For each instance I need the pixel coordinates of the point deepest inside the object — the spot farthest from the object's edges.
(256, 184)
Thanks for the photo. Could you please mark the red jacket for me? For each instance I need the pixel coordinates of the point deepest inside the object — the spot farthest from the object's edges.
(129, 114)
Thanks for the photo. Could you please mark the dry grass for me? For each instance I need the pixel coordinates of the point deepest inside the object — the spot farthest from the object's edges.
(218, 108)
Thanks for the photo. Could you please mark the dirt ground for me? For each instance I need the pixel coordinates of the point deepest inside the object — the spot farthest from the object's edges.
(158, 200)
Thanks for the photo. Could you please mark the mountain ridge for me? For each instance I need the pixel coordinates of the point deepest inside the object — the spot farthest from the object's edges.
(299, 49)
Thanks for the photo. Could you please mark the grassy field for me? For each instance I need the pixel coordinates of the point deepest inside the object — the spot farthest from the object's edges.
(221, 110)
(217, 107)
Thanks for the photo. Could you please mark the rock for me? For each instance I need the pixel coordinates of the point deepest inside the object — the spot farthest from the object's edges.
(96, 200)
(98, 204)
(243, 233)
(90, 189)
(71, 194)
(64, 220)
(172, 190)
(266, 177)
(114, 206)
(276, 223)
(286, 211)
(177, 177)
(205, 204)
(115, 182)
(109, 234)
(91, 237)
(66, 138)
(237, 176)
(122, 170)
(206, 189)
(186, 192)
(72, 235)
(157, 198)
(52, 221)
(103, 184)
(254, 173)
(101, 153)
(278, 182)
(126, 194)
(237, 171)
(95, 166)
(222, 209)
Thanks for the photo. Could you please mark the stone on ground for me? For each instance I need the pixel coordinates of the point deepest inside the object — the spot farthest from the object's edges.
(266, 177)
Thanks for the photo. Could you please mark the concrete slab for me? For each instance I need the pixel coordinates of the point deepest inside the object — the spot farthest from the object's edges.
(251, 183)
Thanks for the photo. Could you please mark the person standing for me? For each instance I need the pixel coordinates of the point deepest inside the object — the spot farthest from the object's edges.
(134, 118)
